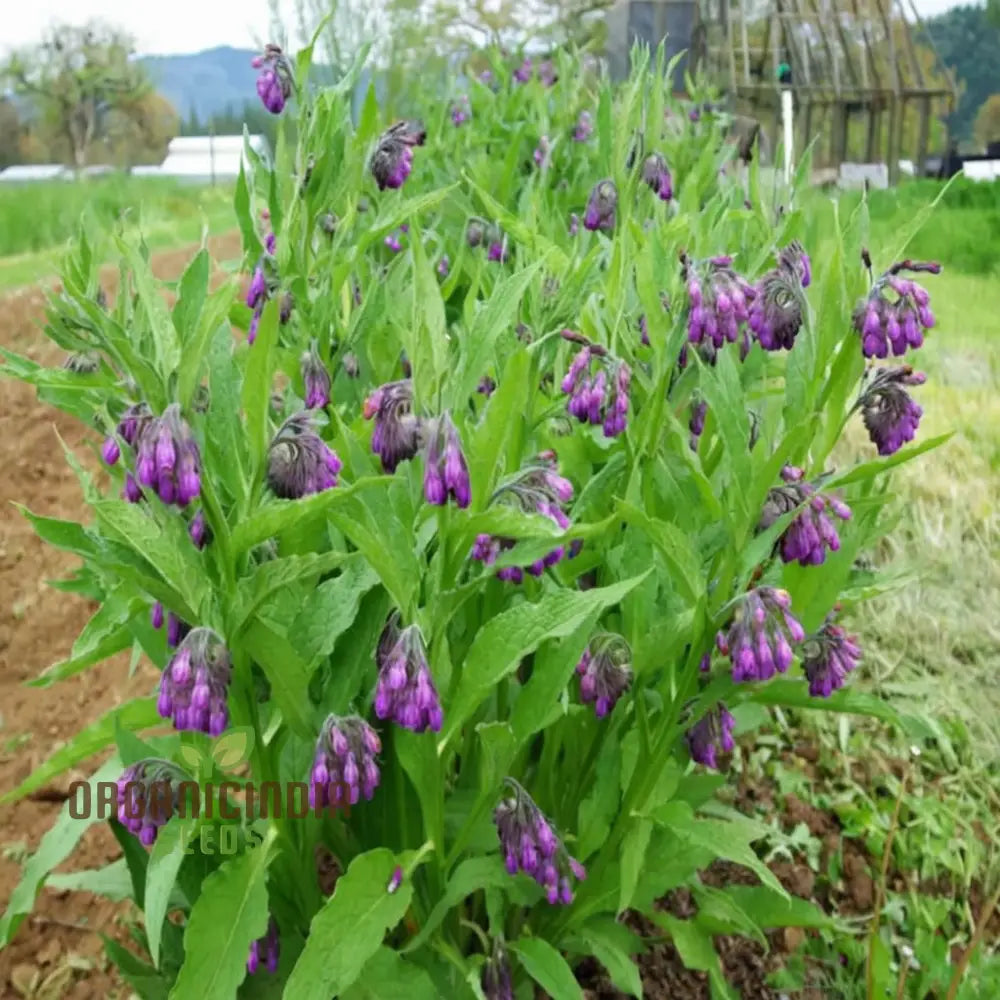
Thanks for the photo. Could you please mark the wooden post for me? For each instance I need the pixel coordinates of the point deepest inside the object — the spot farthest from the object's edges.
(874, 127)
(923, 136)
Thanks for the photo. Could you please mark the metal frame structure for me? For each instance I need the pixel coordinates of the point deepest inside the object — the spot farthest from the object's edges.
(848, 58)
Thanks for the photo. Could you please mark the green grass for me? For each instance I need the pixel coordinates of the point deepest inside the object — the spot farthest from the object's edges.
(36, 220)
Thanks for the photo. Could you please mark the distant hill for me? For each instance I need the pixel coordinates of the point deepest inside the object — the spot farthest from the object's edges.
(207, 83)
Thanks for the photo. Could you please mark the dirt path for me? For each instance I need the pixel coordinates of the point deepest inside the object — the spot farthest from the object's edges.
(37, 627)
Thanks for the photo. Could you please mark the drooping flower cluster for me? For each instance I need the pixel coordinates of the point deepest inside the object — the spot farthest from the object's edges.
(495, 979)
(199, 531)
(602, 206)
(460, 111)
(547, 73)
(719, 299)
(530, 845)
(536, 489)
(584, 127)
(523, 72)
(405, 691)
(498, 251)
(757, 642)
(168, 459)
(656, 174)
(194, 686)
(811, 533)
(696, 425)
(444, 266)
(345, 764)
(895, 324)
(828, 657)
(268, 947)
(446, 473)
(147, 797)
(276, 80)
(396, 437)
(263, 285)
(316, 378)
(392, 161)
(776, 312)
(600, 397)
(712, 734)
(605, 671)
(890, 416)
(299, 461)
(176, 629)
(394, 241)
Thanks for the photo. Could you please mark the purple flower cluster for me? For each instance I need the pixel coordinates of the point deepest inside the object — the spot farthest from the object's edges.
(167, 456)
(344, 764)
(809, 536)
(194, 686)
(263, 285)
(601, 397)
(828, 657)
(176, 629)
(602, 206)
(547, 73)
(444, 266)
(405, 691)
(147, 797)
(696, 425)
(656, 174)
(757, 642)
(719, 302)
(496, 980)
(394, 241)
(446, 473)
(523, 72)
(584, 127)
(890, 416)
(605, 672)
(299, 461)
(316, 378)
(897, 324)
(460, 111)
(397, 431)
(199, 531)
(712, 734)
(529, 844)
(276, 80)
(392, 161)
(498, 251)
(776, 312)
(268, 947)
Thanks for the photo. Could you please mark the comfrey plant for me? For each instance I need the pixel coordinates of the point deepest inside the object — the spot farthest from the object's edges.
(457, 578)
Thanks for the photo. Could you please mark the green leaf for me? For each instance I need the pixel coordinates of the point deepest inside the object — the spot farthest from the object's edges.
(385, 974)
(287, 672)
(213, 319)
(255, 397)
(771, 910)
(428, 329)
(56, 845)
(349, 929)
(113, 881)
(114, 641)
(142, 977)
(606, 947)
(869, 470)
(553, 668)
(137, 714)
(633, 857)
(676, 548)
(693, 943)
(496, 316)
(470, 876)
(279, 515)
(227, 917)
(548, 968)
(506, 639)
(192, 292)
(793, 693)
(165, 860)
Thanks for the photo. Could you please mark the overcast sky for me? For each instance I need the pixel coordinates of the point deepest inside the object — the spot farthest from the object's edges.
(180, 25)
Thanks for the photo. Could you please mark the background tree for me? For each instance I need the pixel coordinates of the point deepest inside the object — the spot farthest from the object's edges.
(10, 134)
(970, 45)
(140, 130)
(986, 128)
(75, 79)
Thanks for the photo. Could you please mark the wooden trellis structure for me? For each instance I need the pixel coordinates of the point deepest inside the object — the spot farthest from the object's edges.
(848, 59)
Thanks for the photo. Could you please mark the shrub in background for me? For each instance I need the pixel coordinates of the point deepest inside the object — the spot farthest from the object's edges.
(492, 529)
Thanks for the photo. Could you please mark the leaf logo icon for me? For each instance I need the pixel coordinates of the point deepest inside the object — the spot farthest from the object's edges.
(233, 748)
(190, 757)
